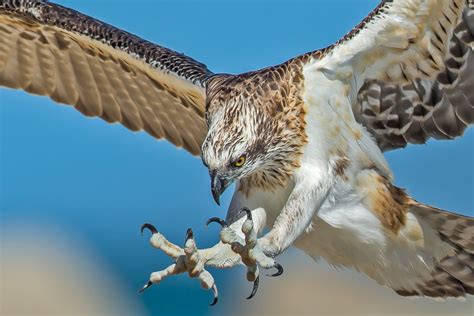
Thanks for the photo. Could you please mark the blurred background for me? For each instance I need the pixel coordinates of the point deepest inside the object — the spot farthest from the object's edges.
(74, 191)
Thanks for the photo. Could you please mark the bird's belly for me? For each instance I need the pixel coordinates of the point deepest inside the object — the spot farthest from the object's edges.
(272, 202)
(345, 236)
(352, 236)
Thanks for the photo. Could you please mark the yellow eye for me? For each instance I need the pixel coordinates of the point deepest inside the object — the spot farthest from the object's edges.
(239, 162)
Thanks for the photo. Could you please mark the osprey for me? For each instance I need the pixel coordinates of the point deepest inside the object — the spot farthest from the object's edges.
(303, 140)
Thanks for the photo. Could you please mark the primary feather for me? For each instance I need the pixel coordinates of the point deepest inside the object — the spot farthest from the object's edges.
(74, 59)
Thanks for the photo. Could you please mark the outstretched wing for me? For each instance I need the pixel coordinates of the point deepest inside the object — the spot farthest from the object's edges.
(51, 50)
(413, 66)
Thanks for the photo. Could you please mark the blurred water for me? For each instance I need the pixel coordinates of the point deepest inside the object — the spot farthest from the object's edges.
(48, 271)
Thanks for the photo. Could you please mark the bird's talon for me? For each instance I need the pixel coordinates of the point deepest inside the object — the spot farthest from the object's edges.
(255, 287)
(218, 220)
(250, 249)
(187, 259)
(150, 227)
(279, 270)
(246, 210)
(216, 295)
(146, 286)
(189, 235)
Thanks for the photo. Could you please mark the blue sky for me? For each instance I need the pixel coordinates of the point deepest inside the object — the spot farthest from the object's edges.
(102, 181)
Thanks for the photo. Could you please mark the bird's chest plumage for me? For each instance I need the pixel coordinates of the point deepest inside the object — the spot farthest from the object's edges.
(346, 219)
(332, 139)
(338, 148)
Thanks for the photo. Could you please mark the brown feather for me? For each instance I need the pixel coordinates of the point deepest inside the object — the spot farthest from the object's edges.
(432, 95)
(50, 50)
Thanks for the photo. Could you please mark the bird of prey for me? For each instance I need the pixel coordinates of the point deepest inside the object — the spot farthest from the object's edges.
(303, 141)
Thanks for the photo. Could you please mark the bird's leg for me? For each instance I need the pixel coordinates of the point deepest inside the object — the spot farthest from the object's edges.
(307, 197)
(249, 248)
(240, 246)
(187, 259)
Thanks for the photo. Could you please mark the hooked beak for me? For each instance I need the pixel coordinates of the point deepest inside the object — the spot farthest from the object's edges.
(218, 186)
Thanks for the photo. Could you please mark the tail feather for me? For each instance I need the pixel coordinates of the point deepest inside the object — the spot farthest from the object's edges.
(453, 276)
(455, 229)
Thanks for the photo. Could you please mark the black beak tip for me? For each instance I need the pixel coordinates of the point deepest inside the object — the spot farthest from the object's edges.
(218, 186)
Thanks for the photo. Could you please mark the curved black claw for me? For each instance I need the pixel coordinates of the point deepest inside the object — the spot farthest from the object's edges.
(145, 287)
(279, 270)
(246, 210)
(189, 234)
(216, 295)
(218, 220)
(152, 228)
(255, 287)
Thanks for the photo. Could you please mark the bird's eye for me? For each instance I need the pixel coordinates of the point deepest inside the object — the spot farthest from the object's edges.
(239, 162)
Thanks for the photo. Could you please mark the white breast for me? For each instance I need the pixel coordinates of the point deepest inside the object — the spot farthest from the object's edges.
(331, 126)
(345, 232)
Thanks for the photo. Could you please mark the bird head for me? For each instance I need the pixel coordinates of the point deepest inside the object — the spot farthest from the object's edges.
(236, 145)
(256, 129)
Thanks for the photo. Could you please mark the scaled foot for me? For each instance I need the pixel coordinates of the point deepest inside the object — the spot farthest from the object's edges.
(187, 259)
(250, 249)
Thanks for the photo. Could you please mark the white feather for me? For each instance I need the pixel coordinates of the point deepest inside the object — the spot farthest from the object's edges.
(345, 232)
